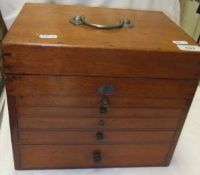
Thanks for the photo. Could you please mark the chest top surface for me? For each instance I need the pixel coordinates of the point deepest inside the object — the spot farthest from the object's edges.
(152, 31)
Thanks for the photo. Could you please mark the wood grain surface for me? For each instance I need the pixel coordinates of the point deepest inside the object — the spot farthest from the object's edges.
(90, 137)
(100, 62)
(94, 112)
(93, 123)
(94, 101)
(86, 86)
(73, 156)
(53, 88)
(156, 33)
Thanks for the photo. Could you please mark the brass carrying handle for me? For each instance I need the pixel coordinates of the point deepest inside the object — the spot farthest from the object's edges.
(80, 20)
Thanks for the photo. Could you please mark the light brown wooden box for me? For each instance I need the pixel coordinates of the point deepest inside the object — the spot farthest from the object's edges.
(59, 117)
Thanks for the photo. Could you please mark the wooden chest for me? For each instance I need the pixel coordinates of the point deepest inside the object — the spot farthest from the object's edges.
(83, 97)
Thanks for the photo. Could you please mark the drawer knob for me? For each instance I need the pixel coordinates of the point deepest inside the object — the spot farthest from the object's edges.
(97, 157)
(99, 136)
(101, 122)
(104, 105)
(105, 101)
(103, 110)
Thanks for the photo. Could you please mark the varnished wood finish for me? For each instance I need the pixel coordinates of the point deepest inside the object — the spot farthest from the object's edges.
(14, 128)
(54, 20)
(178, 133)
(101, 62)
(94, 101)
(109, 123)
(53, 88)
(86, 86)
(79, 45)
(90, 137)
(94, 112)
(73, 156)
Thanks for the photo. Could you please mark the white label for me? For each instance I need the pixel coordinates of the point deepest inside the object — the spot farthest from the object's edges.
(180, 42)
(193, 48)
(48, 36)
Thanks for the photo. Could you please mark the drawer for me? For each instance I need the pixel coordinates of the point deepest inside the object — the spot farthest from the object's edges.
(85, 156)
(106, 123)
(94, 137)
(85, 61)
(21, 85)
(95, 112)
(94, 101)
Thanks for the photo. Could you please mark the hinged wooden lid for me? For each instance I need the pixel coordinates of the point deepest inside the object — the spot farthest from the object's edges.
(48, 24)
(43, 41)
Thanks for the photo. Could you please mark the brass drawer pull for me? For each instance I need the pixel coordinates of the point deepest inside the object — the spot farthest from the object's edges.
(80, 20)
(101, 122)
(99, 136)
(103, 110)
(104, 101)
(104, 105)
(97, 157)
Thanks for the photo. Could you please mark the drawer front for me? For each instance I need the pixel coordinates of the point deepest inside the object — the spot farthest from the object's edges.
(96, 112)
(85, 156)
(106, 123)
(94, 137)
(100, 62)
(18, 85)
(94, 101)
